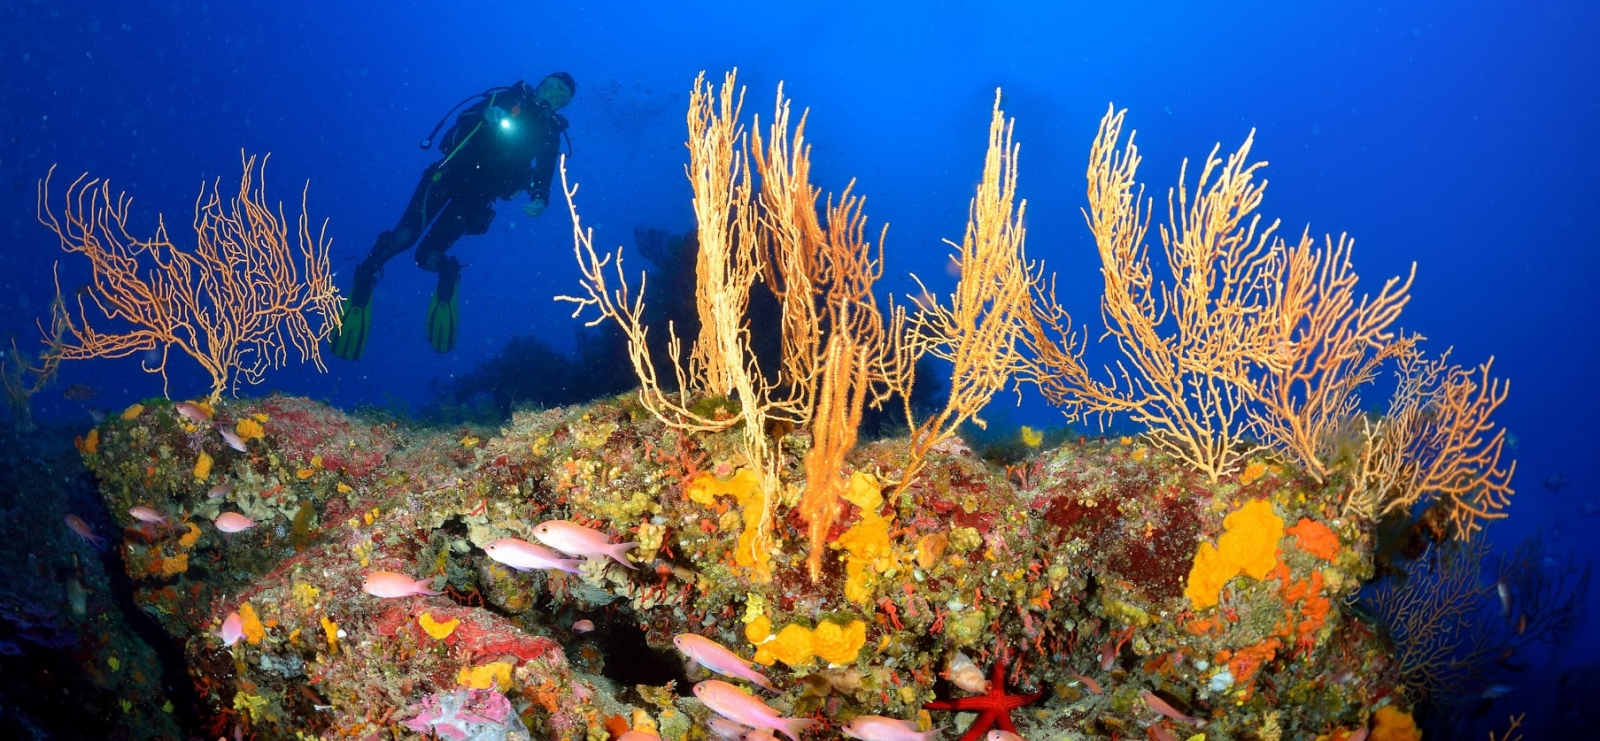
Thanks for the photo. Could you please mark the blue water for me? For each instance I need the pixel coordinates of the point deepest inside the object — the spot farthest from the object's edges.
(1461, 136)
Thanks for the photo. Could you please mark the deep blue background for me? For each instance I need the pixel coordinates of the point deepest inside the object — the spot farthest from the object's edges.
(1458, 135)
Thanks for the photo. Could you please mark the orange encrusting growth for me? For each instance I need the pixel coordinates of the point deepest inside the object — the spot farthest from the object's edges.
(1248, 546)
(1315, 538)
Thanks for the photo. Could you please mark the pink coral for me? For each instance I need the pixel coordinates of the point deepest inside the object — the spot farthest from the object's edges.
(478, 715)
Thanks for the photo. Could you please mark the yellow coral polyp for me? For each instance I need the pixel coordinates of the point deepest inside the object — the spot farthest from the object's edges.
(1248, 546)
(839, 644)
(250, 624)
(305, 473)
(132, 412)
(1393, 724)
(435, 629)
(191, 536)
(91, 442)
(759, 630)
(486, 676)
(175, 565)
(202, 467)
(249, 429)
(792, 645)
(867, 542)
(331, 630)
(745, 487)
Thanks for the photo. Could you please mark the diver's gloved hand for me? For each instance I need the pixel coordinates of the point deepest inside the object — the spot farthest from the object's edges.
(534, 208)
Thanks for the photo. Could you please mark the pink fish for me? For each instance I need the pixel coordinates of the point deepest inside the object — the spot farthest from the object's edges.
(720, 659)
(388, 585)
(220, 490)
(233, 441)
(233, 522)
(725, 729)
(964, 674)
(583, 626)
(523, 556)
(999, 735)
(576, 540)
(193, 412)
(1159, 705)
(232, 629)
(77, 525)
(737, 705)
(879, 728)
(638, 736)
(1157, 733)
(1359, 735)
(1092, 685)
(145, 514)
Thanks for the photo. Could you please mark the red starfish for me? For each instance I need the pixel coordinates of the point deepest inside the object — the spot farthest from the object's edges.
(993, 708)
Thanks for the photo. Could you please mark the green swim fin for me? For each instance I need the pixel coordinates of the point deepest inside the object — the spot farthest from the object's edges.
(443, 308)
(352, 337)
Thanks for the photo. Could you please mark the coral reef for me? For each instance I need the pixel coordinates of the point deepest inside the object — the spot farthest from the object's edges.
(1075, 581)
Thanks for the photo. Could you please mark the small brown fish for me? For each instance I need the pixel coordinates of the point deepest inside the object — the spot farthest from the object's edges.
(79, 392)
(233, 440)
(193, 412)
(1089, 683)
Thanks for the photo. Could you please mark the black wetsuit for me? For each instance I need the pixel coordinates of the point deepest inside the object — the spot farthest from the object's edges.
(487, 155)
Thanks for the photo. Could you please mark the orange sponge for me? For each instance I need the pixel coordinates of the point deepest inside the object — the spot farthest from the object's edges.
(1249, 546)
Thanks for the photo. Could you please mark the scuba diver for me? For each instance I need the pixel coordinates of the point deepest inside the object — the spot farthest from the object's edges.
(506, 142)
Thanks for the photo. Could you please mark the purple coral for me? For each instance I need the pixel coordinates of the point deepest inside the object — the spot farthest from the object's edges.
(468, 715)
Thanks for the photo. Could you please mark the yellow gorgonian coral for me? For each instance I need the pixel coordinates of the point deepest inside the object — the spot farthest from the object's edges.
(437, 630)
(249, 429)
(192, 536)
(202, 467)
(133, 411)
(839, 644)
(1248, 546)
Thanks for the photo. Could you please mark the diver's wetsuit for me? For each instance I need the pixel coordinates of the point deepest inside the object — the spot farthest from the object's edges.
(483, 160)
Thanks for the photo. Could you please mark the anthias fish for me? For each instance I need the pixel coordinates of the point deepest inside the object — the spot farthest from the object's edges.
(1159, 705)
(879, 728)
(233, 441)
(524, 556)
(145, 514)
(233, 522)
(77, 525)
(576, 540)
(737, 705)
(390, 585)
(232, 629)
(193, 412)
(964, 674)
(720, 659)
